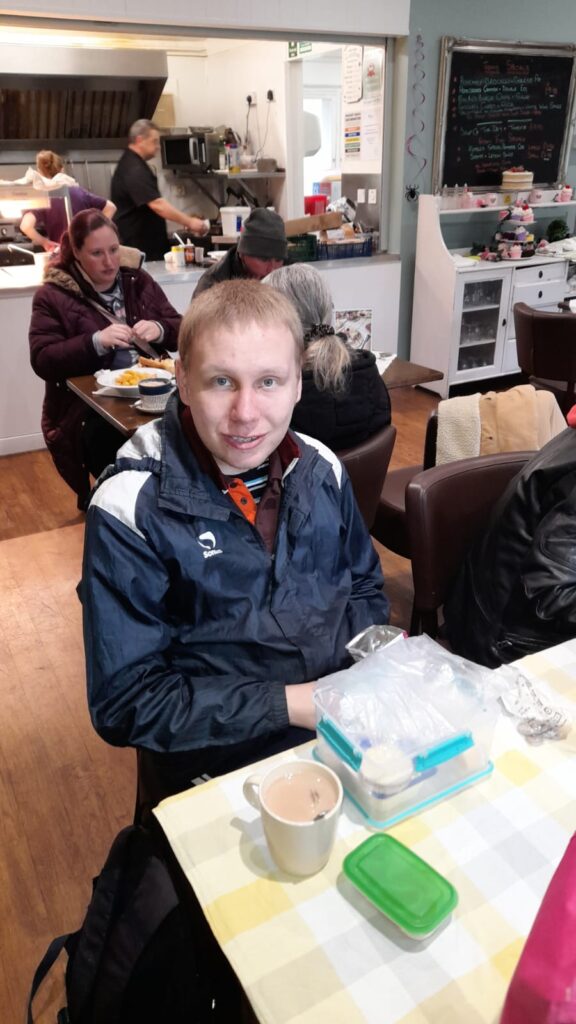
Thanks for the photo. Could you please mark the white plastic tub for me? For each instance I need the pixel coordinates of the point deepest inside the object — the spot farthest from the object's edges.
(233, 218)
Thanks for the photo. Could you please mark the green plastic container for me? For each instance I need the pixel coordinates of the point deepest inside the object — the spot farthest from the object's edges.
(400, 884)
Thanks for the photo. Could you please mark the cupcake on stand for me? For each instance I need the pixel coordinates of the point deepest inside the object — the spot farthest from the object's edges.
(514, 239)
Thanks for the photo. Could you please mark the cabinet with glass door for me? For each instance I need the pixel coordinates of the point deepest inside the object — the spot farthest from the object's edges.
(480, 307)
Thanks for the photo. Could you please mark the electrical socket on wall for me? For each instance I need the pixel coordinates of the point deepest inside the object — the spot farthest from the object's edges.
(372, 195)
(361, 195)
(251, 97)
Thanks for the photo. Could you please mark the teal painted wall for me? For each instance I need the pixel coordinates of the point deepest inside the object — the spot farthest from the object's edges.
(526, 20)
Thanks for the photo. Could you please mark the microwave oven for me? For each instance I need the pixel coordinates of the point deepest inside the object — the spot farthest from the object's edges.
(195, 152)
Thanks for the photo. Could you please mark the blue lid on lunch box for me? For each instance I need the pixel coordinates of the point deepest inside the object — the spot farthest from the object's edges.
(400, 884)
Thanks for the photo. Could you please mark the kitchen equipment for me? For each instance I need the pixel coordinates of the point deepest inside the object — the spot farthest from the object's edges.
(195, 152)
(7, 230)
(77, 94)
(12, 256)
(233, 218)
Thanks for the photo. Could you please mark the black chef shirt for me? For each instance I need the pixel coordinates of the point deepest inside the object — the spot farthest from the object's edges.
(133, 187)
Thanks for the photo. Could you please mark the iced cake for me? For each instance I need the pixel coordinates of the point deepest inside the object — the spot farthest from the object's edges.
(517, 179)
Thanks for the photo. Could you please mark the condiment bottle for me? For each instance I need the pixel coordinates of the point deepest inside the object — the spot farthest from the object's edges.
(233, 159)
(189, 251)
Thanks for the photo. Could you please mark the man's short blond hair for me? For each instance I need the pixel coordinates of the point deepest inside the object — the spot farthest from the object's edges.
(234, 304)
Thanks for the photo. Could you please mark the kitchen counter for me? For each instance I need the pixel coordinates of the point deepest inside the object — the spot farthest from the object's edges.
(15, 280)
(370, 284)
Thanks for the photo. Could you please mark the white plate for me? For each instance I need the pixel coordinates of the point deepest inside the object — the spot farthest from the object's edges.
(216, 254)
(107, 379)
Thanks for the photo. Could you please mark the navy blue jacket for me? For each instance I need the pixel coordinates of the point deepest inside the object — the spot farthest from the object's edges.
(192, 629)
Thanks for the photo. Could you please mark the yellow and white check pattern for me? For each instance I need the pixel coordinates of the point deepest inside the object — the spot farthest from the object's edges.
(313, 950)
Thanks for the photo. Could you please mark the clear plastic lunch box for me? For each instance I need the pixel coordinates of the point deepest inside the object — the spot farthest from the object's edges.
(404, 728)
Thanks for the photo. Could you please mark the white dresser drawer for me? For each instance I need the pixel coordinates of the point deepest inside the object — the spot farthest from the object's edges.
(545, 293)
(555, 271)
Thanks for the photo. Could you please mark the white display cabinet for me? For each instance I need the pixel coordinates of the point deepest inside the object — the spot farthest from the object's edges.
(462, 319)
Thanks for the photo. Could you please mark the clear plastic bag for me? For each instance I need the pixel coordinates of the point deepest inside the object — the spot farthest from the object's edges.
(372, 639)
(537, 714)
(410, 695)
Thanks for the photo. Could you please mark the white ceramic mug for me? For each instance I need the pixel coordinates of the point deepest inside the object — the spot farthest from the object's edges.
(298, 847)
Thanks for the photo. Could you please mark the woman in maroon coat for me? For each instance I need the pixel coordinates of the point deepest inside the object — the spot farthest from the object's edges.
(94, 304)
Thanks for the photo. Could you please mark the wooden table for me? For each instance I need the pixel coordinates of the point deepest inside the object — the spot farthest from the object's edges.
(402, 374)
(120, 412)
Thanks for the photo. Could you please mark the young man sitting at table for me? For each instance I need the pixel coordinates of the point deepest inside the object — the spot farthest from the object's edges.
(226, 563)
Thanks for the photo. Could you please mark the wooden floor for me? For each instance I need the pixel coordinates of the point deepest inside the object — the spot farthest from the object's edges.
(64, 794)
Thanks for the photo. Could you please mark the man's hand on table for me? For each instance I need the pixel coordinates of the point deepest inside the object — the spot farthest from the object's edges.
(301, 710)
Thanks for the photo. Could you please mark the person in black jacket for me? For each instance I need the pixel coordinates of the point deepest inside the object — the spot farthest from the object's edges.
(516, 592)
(261, 248)
(141, 212)
(344, 399)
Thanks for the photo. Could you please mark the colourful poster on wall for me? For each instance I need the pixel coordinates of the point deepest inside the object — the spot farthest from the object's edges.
(352, 134)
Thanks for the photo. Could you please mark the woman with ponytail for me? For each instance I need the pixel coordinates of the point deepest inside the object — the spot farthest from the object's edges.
(344, 399)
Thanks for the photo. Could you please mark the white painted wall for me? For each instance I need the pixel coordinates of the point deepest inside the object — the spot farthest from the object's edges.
(187, 84)
(365, 17)
(233, 74)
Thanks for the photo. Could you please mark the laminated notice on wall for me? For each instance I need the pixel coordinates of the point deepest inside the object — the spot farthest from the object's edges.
(352, 134)
(352, 74)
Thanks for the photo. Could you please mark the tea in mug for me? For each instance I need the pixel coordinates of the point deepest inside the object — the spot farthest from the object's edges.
(301, 795)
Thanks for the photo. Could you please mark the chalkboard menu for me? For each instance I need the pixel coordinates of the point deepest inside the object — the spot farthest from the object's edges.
(503, 106)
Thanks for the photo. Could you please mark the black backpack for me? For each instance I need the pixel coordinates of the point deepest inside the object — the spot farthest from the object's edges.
(134, 959)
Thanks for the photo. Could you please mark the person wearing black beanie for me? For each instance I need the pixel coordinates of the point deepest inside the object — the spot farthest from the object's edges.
(261, 248)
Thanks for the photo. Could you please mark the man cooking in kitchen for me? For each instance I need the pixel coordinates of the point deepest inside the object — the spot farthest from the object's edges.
(261, 249)
(141, 212)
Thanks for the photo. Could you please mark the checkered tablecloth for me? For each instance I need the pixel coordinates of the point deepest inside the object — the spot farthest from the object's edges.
(313, 951)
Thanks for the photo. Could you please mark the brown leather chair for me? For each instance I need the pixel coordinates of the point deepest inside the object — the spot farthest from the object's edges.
(546, 347)
(367, 465)
(389, 526)
(446, 508)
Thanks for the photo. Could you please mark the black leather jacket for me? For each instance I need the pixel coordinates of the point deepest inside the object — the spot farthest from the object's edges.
(516, 592)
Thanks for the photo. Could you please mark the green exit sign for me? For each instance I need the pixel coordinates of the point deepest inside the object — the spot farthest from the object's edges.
(295, 48)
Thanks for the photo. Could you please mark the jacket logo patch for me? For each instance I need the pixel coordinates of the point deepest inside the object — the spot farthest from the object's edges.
(208, 542)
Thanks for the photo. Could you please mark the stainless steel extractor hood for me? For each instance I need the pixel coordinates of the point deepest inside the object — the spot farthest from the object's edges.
(76, 96)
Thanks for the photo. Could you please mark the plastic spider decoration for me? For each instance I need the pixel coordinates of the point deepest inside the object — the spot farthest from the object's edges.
(411, 193)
